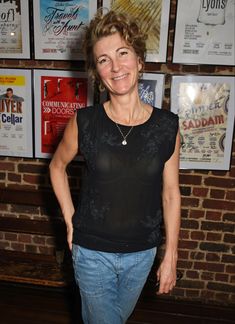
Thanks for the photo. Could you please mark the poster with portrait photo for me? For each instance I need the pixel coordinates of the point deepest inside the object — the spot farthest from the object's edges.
(14, 29)
(16, 113)
(58, 94)
(153, 18)
(205, 32)
(59, 27)
(205, 106)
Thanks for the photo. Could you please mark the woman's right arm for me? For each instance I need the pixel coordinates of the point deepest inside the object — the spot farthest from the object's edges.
(66, 151)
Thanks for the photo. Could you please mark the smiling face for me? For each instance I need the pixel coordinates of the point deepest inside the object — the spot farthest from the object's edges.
(117, 64)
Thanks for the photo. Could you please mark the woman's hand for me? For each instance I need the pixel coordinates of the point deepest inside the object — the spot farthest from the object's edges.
(166, 275)
(70, 235)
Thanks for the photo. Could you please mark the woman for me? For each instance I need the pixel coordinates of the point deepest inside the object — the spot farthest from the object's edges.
(131, 151)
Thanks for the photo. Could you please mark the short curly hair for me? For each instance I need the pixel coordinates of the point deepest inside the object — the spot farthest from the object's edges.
(107, 24)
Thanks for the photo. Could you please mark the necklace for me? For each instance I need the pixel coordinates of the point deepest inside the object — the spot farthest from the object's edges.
(124, 141)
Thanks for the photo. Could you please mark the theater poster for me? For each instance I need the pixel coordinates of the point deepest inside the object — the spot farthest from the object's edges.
(205, 106)
(58, 94)
(15, 113)
(205, 32)
(151, 89)
(59, 27)
(14, 29)
(153, 17)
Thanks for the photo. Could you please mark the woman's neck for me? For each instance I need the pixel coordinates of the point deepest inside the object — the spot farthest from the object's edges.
(126, 110)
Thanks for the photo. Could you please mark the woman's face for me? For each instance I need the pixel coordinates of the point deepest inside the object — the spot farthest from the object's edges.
(117, 64)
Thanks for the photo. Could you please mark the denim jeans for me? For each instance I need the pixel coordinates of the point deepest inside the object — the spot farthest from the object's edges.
(110, 283)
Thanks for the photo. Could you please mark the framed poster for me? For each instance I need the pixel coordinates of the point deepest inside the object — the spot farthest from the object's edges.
(59, 27)
(14, 29)
(205, 32)
(153, 18)
(16, 113)
(205, 105)
(58, 94)
(151, 89)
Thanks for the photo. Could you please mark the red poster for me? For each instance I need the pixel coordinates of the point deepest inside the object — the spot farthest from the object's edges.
(60, 98)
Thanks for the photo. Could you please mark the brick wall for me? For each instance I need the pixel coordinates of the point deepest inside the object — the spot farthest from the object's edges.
(206, 249)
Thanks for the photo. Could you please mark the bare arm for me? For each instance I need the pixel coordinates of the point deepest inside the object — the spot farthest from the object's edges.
(66, 151)
(171, 214)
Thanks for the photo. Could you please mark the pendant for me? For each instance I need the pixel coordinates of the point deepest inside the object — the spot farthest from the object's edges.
(124, 142)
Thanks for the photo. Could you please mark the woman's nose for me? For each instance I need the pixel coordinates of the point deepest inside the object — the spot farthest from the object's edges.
(115, 65)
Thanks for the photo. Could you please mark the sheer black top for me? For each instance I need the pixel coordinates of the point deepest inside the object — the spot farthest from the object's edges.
(120, 200)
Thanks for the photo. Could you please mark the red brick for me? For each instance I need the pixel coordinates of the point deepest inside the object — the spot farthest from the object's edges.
(2, 176)
(34, 179)
(25, 238)
(46, 250)
(190, 179)
(197, 255)
(213, 215)
(207, 295)
(214, 236)
(220, 287)
(230, 269)
(184, 213)
(189, 223)
(195, 213)
(33, 168)
(214, 247)
(4, 245)
(229, 238)
(11, 237)
(182, 254)
(230, 195)
(18, 246)
(228, 258)
(230, 217)
(221, 277)
(39, 240)
(192, 274)
(216, 226)
(50, 241)
(184, 234)
(31, 248)
(197, 235)
(216, 193)
(182, 264)
(200, 192)
(218, 204)
(219, 182)
(190, 245)
(7, 166)
(189, 202)
(207, 275)
(214, 267)
(192, 293)
(213, 257)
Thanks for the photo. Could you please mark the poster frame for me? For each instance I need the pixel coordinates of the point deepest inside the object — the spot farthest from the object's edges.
(224, 162)
(38, 44)
(27, 74)
(161, 56)
(194, 53)
(25, 32)
(38, 73)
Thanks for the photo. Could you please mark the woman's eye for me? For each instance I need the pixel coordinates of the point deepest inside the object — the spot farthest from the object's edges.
(123, 53)
(103, 60)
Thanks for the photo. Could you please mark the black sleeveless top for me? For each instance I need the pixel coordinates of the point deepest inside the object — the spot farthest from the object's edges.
(119, 206)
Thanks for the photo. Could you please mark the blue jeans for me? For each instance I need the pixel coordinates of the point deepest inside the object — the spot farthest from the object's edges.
(110, 283)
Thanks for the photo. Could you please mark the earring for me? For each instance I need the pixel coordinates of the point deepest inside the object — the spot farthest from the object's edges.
(101, 87)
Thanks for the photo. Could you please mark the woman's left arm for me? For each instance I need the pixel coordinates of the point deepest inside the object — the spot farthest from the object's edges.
(171, 214)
